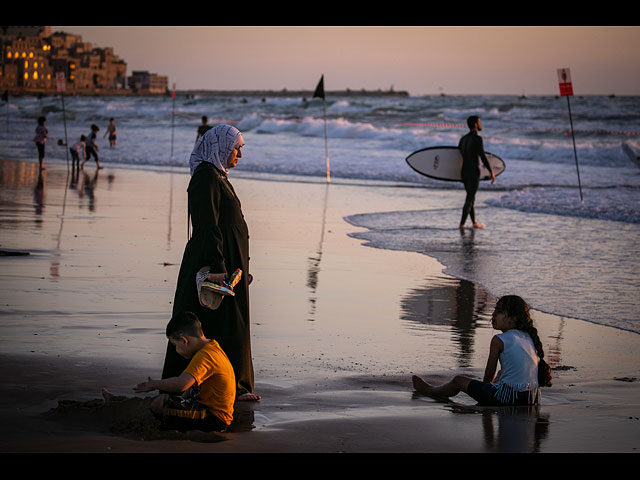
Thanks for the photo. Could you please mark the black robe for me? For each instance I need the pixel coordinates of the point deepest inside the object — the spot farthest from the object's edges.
(220, 241)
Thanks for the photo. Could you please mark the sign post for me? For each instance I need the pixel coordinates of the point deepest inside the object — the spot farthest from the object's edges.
(566, 90)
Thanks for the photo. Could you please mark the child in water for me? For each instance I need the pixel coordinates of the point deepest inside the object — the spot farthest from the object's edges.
(520, 353)
(111, 131)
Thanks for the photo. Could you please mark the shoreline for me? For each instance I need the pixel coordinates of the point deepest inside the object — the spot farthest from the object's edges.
(338, 327)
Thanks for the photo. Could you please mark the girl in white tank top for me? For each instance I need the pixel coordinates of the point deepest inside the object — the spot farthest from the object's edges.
(520, 353)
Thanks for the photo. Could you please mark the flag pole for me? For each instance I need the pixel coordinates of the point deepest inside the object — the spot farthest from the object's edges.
(326, 142)
(319, 92)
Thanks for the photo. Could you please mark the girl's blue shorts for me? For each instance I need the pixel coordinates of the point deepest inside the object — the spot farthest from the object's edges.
(485, 394)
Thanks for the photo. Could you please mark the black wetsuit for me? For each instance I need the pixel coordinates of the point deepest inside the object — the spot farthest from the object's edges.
(471, 147)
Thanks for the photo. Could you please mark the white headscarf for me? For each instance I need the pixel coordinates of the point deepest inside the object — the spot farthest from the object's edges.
(214, 147)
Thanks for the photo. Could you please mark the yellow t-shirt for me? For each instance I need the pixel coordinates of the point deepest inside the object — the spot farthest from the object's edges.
(214, 374)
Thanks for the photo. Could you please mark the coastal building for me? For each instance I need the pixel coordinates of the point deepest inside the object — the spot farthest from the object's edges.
(143, 82)
(32, 57)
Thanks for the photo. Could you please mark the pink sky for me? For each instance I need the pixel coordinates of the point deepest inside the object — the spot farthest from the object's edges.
(420, 60)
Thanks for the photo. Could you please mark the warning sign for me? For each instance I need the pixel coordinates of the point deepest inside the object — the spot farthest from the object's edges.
(564, 77)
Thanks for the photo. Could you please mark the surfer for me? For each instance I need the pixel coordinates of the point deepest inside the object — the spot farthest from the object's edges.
(471, 147)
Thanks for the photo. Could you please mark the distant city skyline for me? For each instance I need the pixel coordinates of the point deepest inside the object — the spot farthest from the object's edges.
(420, 60)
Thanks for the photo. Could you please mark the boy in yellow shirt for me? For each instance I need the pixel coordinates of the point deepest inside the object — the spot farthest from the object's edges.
(205, 391)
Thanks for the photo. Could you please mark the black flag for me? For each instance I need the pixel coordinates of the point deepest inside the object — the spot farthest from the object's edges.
(319, 89)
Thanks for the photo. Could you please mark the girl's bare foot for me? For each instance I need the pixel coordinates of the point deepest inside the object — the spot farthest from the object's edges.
(420, 385)
(427, 389)
(478, 225)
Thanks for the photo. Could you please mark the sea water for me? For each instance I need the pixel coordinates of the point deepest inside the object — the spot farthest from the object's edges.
(563, 223)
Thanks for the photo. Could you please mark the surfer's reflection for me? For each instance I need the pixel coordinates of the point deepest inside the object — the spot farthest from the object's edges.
(460, 304)
(469, 251)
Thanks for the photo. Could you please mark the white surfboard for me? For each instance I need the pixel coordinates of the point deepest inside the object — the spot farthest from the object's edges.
(445, 163)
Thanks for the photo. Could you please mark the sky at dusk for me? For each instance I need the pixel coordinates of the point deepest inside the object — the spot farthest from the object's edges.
(421, 60)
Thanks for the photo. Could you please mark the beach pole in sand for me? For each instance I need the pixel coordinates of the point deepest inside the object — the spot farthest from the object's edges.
(173, 115)
(5, 98)
(61, 86)
(566, 90)
(173, 109)
(319, 92)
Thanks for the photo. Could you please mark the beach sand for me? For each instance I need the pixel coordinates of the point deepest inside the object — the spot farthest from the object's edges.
(86, 285)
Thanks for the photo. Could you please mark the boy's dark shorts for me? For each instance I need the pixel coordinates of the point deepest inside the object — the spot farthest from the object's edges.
(484, 394)
(188, 414)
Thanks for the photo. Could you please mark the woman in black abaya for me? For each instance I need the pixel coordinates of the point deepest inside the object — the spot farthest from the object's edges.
(220, 244)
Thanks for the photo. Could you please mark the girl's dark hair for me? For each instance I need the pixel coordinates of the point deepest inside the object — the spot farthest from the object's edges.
(515, 307)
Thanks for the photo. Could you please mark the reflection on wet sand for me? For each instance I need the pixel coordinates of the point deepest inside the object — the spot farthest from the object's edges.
(314, 261)
(39, 197)
(459, 304)
(518, 429)
(86, 187)
(18, 178)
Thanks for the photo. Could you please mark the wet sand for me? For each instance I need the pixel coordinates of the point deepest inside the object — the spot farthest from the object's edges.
(87, 280)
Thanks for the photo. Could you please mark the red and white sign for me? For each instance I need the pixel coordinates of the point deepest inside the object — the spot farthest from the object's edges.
(564, 77)
(60, 82)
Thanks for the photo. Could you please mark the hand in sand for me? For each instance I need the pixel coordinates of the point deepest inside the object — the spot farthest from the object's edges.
(144, 386)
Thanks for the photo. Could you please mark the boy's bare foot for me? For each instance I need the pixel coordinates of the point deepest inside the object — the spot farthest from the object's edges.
(248, 397)
(107, 395)
(110, 397)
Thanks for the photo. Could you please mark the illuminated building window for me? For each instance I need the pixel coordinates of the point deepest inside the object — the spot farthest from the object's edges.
(35, 75)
